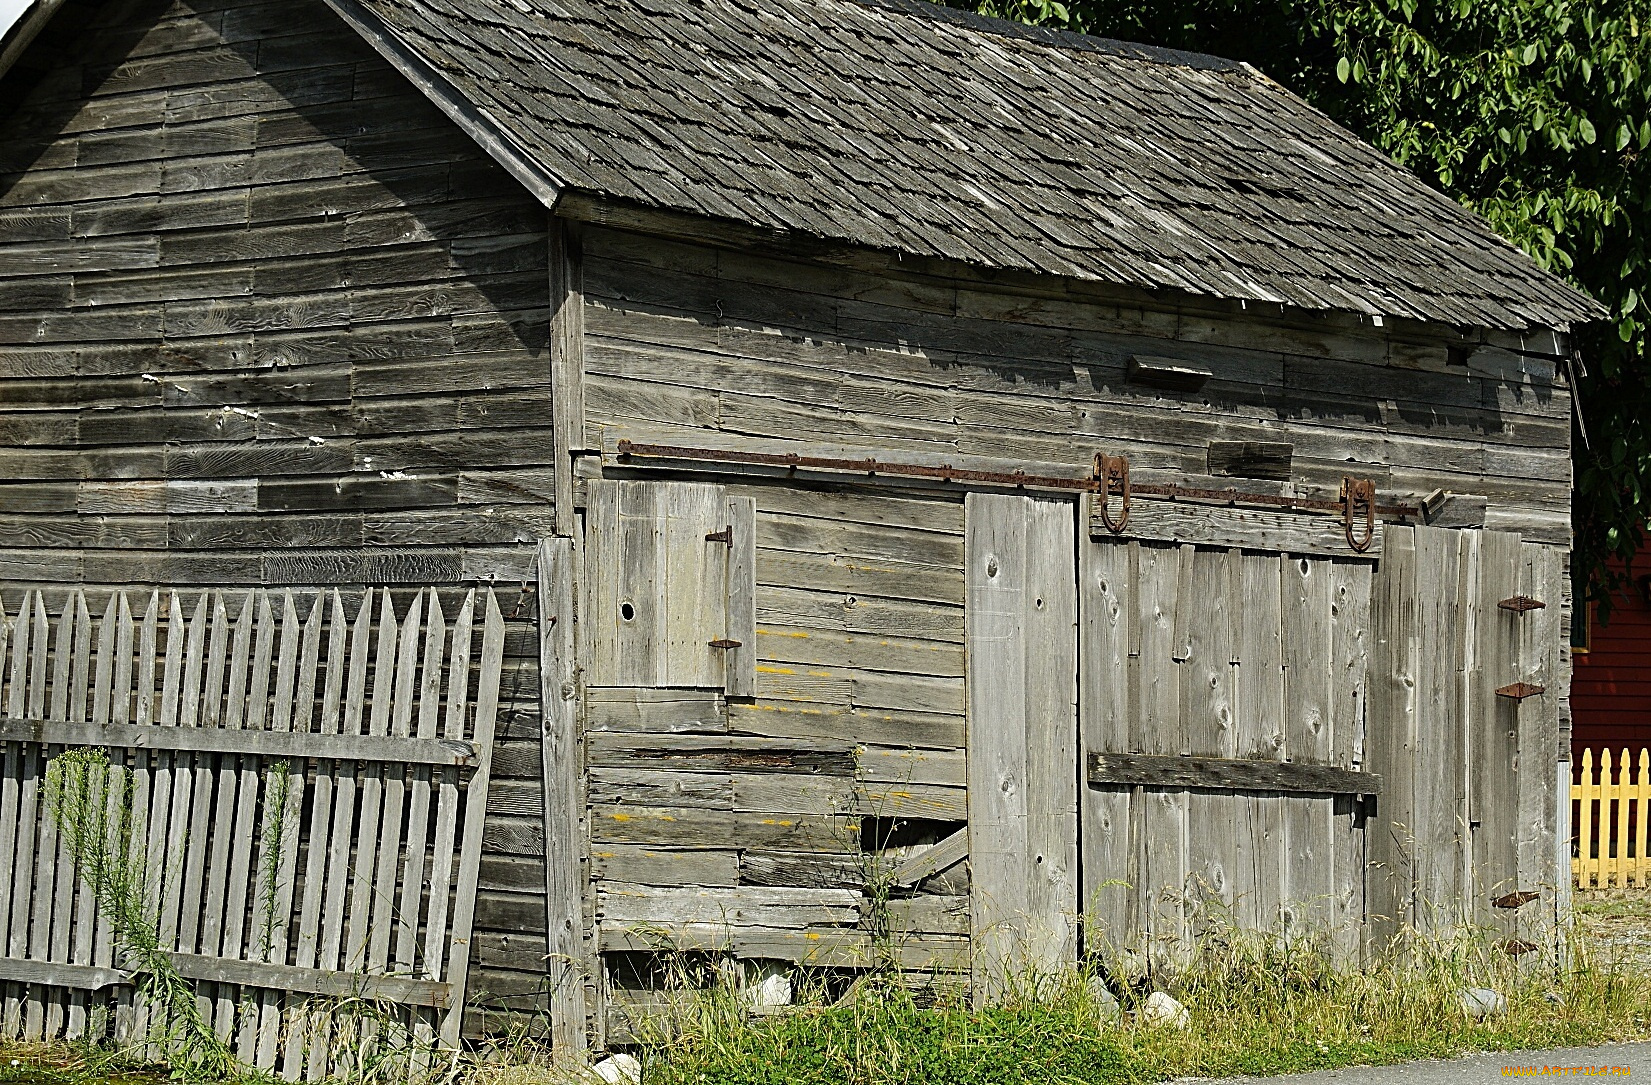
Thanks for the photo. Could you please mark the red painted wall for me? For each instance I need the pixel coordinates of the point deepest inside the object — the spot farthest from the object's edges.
(1611, 683)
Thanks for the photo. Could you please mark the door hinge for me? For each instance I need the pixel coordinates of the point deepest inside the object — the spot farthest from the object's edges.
(1519, 604)
(1518, 691)
(725, 643)
(726, 536)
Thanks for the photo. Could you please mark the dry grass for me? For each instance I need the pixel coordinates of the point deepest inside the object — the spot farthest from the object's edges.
(1258, 1005)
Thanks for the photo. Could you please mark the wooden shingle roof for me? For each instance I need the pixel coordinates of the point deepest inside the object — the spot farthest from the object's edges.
(901, 125)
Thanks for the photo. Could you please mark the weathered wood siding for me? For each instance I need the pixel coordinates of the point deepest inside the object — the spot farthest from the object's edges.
(686, 338)
(693, 345)
(266, 317)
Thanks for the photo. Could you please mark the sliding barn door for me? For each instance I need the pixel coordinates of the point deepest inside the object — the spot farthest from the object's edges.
(1222, 706)
(1467, 669)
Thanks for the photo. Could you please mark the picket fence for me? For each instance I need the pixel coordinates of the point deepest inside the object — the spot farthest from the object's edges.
(301, 798)
(1612, 833)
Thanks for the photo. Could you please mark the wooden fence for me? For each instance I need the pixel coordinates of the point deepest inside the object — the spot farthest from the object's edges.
(1612, 827)
(299, 791)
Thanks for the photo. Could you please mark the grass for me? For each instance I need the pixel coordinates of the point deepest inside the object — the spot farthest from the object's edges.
(1258, 1006)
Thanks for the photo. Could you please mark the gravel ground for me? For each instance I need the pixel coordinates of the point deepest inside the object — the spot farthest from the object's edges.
(1582, 1062)
(1618, 923)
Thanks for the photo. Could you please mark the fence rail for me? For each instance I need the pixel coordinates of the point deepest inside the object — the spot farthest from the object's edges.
(1613, 799)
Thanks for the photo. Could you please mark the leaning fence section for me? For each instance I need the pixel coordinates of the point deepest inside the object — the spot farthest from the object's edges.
(276, 798)
(1612, 800)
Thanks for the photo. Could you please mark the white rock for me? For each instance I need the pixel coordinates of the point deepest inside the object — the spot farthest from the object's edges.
(1482, 1002)
(773, 990)
(1160, 1009)
(1103, 998)
(619, 1070)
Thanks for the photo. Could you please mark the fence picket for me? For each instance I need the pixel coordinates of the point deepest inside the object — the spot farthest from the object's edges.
(1612, 833)
(30, 827)
(84, 924)
(11, 796)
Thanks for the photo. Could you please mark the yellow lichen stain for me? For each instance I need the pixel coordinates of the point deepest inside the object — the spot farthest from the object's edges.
(812, 936)
(819, 674)
(761, 669)
(776, 821)
(620, 817)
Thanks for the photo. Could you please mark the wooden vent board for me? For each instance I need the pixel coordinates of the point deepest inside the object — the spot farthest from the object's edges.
(306, 781)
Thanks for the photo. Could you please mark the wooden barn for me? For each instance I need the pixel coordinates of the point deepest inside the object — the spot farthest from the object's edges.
(530, 494)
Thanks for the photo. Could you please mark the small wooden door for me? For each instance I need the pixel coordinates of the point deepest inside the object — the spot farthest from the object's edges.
(668, 569)
(1222, 707)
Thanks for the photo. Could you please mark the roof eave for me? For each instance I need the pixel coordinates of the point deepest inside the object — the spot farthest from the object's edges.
(15, 41)
(474, 122)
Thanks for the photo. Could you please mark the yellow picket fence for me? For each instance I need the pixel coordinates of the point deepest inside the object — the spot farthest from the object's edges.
(1612, 827)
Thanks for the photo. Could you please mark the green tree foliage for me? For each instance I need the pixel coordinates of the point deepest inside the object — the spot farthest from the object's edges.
(1534, 113)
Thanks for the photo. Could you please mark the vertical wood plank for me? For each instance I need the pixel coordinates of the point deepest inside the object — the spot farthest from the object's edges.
(567, 363)
(1309, 736)
(994, 601)
(1051, 728)
(87, 679)
(1158, 577)
(1105, 601)
(53, 891)
(1020, 591)
(11, 800)
(33, 854)
(1389, 887)
(1441, 813)
(562, 765)
(1258, 730)
(1207, 667)
(1494, 725)
(694, 584)
(1545, 661)
(1165, 874)
(372, 793)
(460, 653)
(740, 664)
(475, 809)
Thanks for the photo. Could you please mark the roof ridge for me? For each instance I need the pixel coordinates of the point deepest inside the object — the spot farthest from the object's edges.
(1064, 39)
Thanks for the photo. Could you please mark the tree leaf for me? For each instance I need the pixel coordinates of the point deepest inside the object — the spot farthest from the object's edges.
(1343, 69)
(1585, 128)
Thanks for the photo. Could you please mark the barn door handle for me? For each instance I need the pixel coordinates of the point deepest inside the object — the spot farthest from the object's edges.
(1112, 477)
(1354, 493)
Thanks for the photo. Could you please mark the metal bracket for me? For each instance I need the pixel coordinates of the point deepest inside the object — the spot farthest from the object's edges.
(726, 536)
(1517, 899)
(1354, 493)
(1518, 691)
(1112, 477)
(1520, 604)
(725, 643)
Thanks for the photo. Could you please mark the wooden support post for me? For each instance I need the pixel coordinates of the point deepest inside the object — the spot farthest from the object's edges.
(567, 363)
(564, 868)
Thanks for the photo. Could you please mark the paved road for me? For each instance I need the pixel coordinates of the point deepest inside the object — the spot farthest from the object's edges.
(1473, 1069)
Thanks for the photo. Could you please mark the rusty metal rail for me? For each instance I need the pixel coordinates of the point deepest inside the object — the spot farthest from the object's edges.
(1358, 498)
